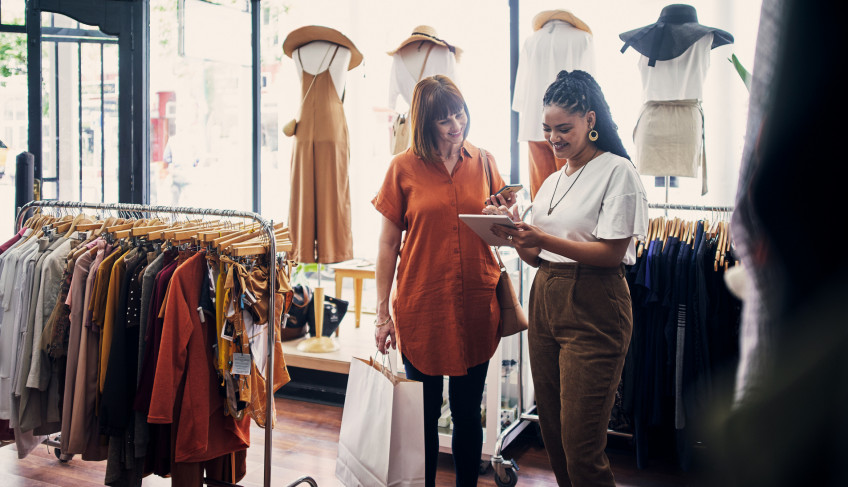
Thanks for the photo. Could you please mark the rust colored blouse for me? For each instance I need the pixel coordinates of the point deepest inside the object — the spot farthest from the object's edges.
(445, 310)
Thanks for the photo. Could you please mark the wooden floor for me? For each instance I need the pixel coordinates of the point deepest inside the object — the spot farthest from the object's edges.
(305, 443)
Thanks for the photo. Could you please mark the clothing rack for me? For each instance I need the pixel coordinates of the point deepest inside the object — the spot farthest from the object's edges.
(674, 206)
(266, 225)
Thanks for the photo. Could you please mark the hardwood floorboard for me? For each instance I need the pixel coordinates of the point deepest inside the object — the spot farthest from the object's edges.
(305, 443)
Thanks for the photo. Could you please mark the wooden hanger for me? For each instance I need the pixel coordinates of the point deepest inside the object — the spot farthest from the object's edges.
(146, 230)
(284, 245)
(259, 245)
(120, 226)
(194, 232)
(84, 227)
(721, 235)
(221, 246)
(226, 231)
(110, 220)
(79, 219)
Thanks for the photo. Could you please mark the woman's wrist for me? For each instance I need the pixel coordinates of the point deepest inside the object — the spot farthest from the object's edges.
(378, 323)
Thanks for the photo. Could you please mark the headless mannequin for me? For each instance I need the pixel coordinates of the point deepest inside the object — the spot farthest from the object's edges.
(315, 57)
(413, 56)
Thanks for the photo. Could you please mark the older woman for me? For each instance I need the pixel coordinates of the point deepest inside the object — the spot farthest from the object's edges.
(444, 312)
(584, 219)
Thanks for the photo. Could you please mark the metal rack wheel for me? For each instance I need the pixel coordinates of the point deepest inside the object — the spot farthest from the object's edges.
(58, 452)
(510, 481)
(304, 480)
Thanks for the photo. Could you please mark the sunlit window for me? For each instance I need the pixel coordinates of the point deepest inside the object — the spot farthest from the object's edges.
(200, 83)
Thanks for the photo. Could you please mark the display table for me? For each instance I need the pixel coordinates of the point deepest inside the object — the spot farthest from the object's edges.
(358, 270)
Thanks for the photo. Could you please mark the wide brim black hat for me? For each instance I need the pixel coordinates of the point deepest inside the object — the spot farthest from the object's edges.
(675, 31)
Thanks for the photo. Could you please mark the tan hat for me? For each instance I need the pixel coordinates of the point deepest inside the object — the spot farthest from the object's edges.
(305, 35)
(426, 33)
(543, 17)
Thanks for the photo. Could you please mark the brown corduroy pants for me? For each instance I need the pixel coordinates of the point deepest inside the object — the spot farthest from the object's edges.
(580, 326)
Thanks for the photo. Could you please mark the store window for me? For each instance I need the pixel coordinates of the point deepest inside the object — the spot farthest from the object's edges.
(13, 103)
(80, 111)
(12, 12)
(201, 104)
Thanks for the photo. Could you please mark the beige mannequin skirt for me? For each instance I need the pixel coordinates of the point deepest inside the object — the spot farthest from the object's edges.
(669, 138)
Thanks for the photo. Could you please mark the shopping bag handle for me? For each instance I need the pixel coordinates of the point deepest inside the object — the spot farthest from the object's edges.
(383, 362)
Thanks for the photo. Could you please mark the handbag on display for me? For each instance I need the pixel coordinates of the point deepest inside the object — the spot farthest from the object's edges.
(381, 441)
(400, 134)
(299, 313)
(334, 311)
(513, 320)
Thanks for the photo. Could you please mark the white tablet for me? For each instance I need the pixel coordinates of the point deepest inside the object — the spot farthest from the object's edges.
(482, 226)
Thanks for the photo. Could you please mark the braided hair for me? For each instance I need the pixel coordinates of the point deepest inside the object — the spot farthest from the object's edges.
(578, 92)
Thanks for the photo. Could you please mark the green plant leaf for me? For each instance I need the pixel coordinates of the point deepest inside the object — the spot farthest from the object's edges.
(743, 73)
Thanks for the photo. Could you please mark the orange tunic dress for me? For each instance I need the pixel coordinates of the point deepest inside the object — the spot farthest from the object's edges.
(445, 309)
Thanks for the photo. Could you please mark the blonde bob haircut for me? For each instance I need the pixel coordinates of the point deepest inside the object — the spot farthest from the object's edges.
(434, 98)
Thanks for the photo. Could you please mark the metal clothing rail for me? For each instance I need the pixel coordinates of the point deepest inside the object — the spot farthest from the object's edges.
(266, 225)
(672, 206)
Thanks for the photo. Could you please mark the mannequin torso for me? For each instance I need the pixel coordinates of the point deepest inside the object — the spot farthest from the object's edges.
(316, 56)
(407, 64)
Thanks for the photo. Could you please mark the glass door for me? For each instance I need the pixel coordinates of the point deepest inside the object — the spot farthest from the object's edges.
(79, 111)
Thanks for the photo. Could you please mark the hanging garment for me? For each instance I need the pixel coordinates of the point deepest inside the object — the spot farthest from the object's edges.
(36, 412)
(554, 46)
(685, 342)
(319, 213)
(185, 390)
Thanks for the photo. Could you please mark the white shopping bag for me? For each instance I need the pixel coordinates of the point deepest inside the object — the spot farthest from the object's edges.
(381, 442)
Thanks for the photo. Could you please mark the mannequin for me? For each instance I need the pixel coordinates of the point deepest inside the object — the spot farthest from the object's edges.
(420, 55)
(559, 41)
(408, 61)
(316, 58)
(674, 59)
(319, 212)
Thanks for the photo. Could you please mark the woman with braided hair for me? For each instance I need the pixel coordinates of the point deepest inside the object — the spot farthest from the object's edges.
(584, 219)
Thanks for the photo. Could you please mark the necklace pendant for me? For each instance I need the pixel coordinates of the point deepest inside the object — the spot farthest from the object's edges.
(550, 210)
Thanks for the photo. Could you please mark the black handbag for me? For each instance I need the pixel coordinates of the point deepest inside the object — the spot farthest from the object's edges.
(334, 311)
(299, 313)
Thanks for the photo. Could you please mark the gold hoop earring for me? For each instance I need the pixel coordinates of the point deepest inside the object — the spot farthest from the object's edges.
(593, 135)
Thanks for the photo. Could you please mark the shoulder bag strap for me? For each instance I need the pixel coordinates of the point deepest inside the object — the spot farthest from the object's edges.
(424, 64)
(486, 169)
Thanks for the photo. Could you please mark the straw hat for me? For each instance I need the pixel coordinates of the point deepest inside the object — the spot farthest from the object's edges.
(675, 31)
(309, 33)
(426, 33)
(547, 15)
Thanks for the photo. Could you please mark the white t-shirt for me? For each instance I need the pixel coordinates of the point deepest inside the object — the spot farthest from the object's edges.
(556, 46)
(607, 202)
(681, 78)
(402, 81)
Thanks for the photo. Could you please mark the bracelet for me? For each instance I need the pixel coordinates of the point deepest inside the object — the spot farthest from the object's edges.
(386, 322)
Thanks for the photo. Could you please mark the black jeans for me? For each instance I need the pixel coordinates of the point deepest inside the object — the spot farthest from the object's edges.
(465, 394)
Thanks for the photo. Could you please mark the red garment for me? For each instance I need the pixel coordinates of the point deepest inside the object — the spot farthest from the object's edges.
(445, 309)
(184, 389)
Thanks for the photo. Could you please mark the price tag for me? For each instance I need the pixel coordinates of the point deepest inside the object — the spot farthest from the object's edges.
(241, 364)
(227, 331)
